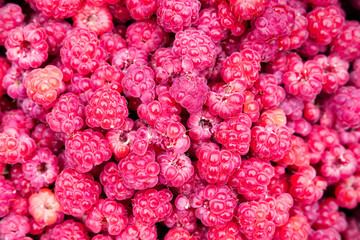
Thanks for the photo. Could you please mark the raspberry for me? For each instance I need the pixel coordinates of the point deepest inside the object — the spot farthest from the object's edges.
(141, 9)
(189, 92)
(330, 216)
(8, 194)
(253, 222)
(322, 2)
(119, 12)
(329, 233)
(202, 125)
(76, 192)
(138, 230)
(279, 208)
(251, 178)
(270, 93)
(230, 21)
(234, 134)
(58, 9)
(182, 219)
(11, 17)
(251, 107)
(347, 43)
(13, 227)
(310, 211)
(16, 146)
(44, 207)
(305, 186)
(325, 23)
(106, 109)
(96, 19)
(298, 155)
(230, 231)
(165, 64)
(178, 234)
(45, 137)
(347, 192)
(210, 23)
(177, 15)
(196, 46)
(175, 169)
(21, 185)
(27, 46)
(82, 51)
(107, 215)
(249, 9)
(19, 206)
(101, 237)
(311, 112)
(298, 36)
(100, 3)
(215, 166)
(296, 228)
(112, 42)
(67, 230)
(352, 232)
(127, 56)
(146, 35)
(16, 119)
(151, 206)
(41, 169)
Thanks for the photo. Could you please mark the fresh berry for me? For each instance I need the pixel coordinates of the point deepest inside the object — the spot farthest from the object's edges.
(330, 216)
(328, 233)
(202, 125)
(67, 230)
(138, 230)
(296, 228)
(11, 17)
(8, 194)
(13, 227)
(210, 23)
(249, 9)
(58, 9)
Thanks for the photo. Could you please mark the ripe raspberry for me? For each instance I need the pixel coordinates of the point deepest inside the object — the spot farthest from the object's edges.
(100, 3)
(19, 206)
(251, 107)
(347, 192)
(210, 23)
(328, 233)
(127, 56)
(305, 186)
(298, 36)
(249, 9)
(296, 228)
(298, 155)
(202, 125)
(230, 231)
(310, 211)
(190, 92)
(101, 237)
(215, 205)
(177, 15)
(253, 221)
(16, 146)
(311, 112)
(81, 50)
(120, 12)
(178, 234)
(234, 134)
(166, 65)
(8, 194)
(146, 35)
(76, 192)
(11, 16)
(112, 42)
(21, 185)
(322, 2)
(138, 230)
(182, 219)
(347, 43)
(325, 23)
(151, 206)
(16, 119)
(107, 215)
(251, 178)
(141, 9)
(196, 46)
(41, 169)
(27, 46)
(279, 208)
(353, 230)
(330, 216)
(96, 19)
(44, 207)
(216, 166)
(106, 109)
(69, 229)
(230, 21)
(14, 227)
(270, 93)
(46, 138)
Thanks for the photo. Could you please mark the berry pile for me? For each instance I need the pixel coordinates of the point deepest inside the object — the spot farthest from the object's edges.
(179, 120)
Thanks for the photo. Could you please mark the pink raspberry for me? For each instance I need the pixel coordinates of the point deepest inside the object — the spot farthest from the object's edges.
(215, 205)
(16, 119)
(112, 42)
(120, 12)
(106, 109)
(325, 23)
(177, 15)
(101, 237)
(279, 208)
(141, 9)
(166, 65)
(100, 3)
(252, 178)
(58, 9)
(230, 231)
(303, 79)
(184, 219)
(196, 46)
(11, 16)
(347, 192)
(298, 36)
(41, 169)
(328, 233)
(4, 67)
(251, 107)
(202, 125)
(45, 137)
(107, 215)
(127, 56)
(77, 192)
(44, 207)
(296, 228)
(146, 35)
(305, 186)
(298, 155)
(178, 234)
(210, 23)
(310, 48)
(248, 9)
(230, 21)
(27, 46)
(81, 50)
(138, 230)
(16, 146)
(21, 185)
(347, 43)
(14, 227)
(67, 230)
(252, 217)
(330, 216)
(175, 169)
(151, 206)
(8, 194)
(269, 92)
(322, 2)
(190, 92)
(353, 230)
(216, 166)
(310, 211)
(96, 19)
(139, 172)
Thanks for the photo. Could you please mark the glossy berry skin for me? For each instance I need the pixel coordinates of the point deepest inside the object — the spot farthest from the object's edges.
(347, 192)
(113, 184)
(247, 10)
(328, 233)
(67, 230)
(229, 20)
(178, 234)
(107, 215)
(296, 228)
(14, 226)
(298, 155)
(58, 9)
(325, 23)
(195, 46)
(151, 206)
(215, 205)
(210, 23)
(202, 125)
(269, 92)
(230, 231)
(252, 178)
(81, 50)
(215, 166)
(141, 9)
(11, 17)
(86, 149)
(8, 194)
(177, 15)
(184, 218)
(106, 109)
(112, 42)
(76, 192)
(27, 46)
(138, 230)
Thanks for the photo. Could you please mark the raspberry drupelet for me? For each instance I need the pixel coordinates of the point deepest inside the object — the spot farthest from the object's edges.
(230, 231)
(11, 16)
